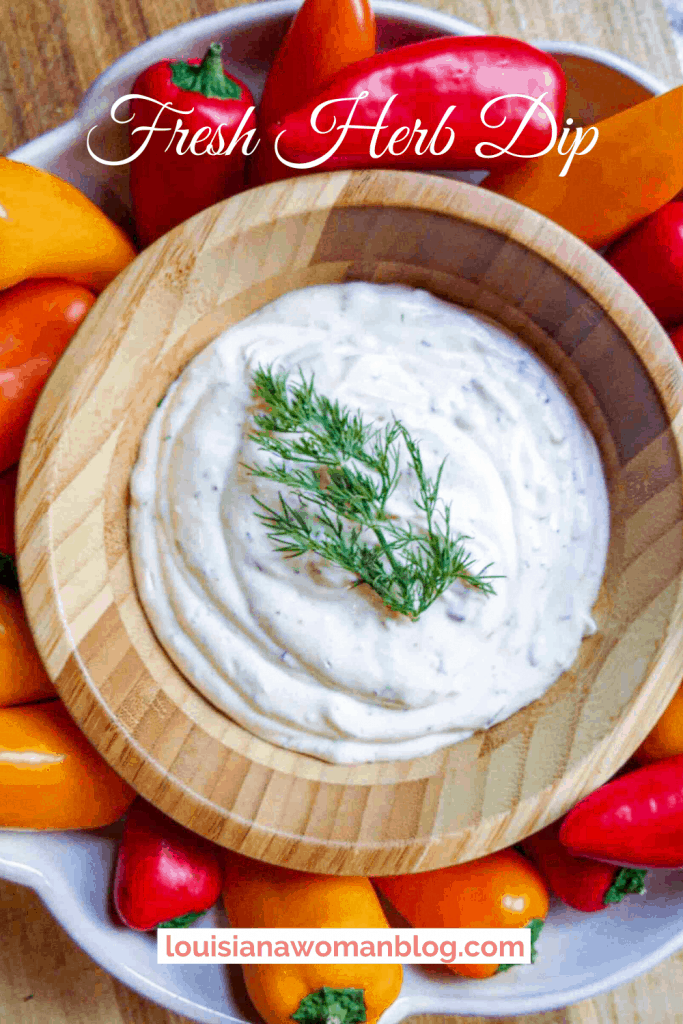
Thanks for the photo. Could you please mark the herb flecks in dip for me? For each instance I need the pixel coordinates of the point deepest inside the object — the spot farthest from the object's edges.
(291, 648)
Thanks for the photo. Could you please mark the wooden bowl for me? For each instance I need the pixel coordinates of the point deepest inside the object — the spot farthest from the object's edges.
(147, 720)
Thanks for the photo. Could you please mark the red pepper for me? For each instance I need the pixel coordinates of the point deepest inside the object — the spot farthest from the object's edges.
(650, 257)
(8, 497)
(185, 167)
(584, 884)
(440, 89)
(636, 819)
(166, 876)
(677, 339)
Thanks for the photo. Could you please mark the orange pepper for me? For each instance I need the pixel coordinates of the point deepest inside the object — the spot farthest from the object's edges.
(502, 890)
(8, 490)
(324, 38)
(635, 167)
(50, 776)
(666, 739)
(37, 321)
(260, 895)
(48, 228)
(22, 676)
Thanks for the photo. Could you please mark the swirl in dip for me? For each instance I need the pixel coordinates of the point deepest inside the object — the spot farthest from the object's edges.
(290, 648)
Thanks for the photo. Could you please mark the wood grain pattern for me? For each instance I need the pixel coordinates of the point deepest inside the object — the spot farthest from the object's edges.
(136, 707)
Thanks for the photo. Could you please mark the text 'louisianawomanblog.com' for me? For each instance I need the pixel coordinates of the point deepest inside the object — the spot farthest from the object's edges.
(343, 945)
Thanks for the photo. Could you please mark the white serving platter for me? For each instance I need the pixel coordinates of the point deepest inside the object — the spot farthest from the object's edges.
(581, 955)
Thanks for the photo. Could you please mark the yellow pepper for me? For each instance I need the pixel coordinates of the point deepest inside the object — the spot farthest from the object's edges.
(50, 776)
(48, 228)
(259, 895)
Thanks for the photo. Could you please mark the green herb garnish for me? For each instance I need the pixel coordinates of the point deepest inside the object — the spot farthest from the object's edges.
(349, 470)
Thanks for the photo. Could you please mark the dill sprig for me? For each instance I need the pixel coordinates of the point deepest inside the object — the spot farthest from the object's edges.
(343, 472)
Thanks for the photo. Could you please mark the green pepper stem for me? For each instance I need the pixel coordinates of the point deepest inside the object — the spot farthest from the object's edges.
(184, 921)
(535, 925)
(207, 78)
(625, 881)
(332, 1006)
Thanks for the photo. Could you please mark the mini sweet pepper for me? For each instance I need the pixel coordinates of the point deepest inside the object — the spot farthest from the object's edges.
(502, 890)
(581, 883)
(260, 895)
(51, 777)
(196, 154)
(453, 103)
(48, 228)
(166, 876)
(636, 819)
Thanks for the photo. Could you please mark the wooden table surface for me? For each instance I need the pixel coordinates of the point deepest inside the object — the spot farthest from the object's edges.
(50, 52)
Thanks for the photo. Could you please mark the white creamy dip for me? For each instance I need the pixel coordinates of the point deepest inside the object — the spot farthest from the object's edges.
(289, 648)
